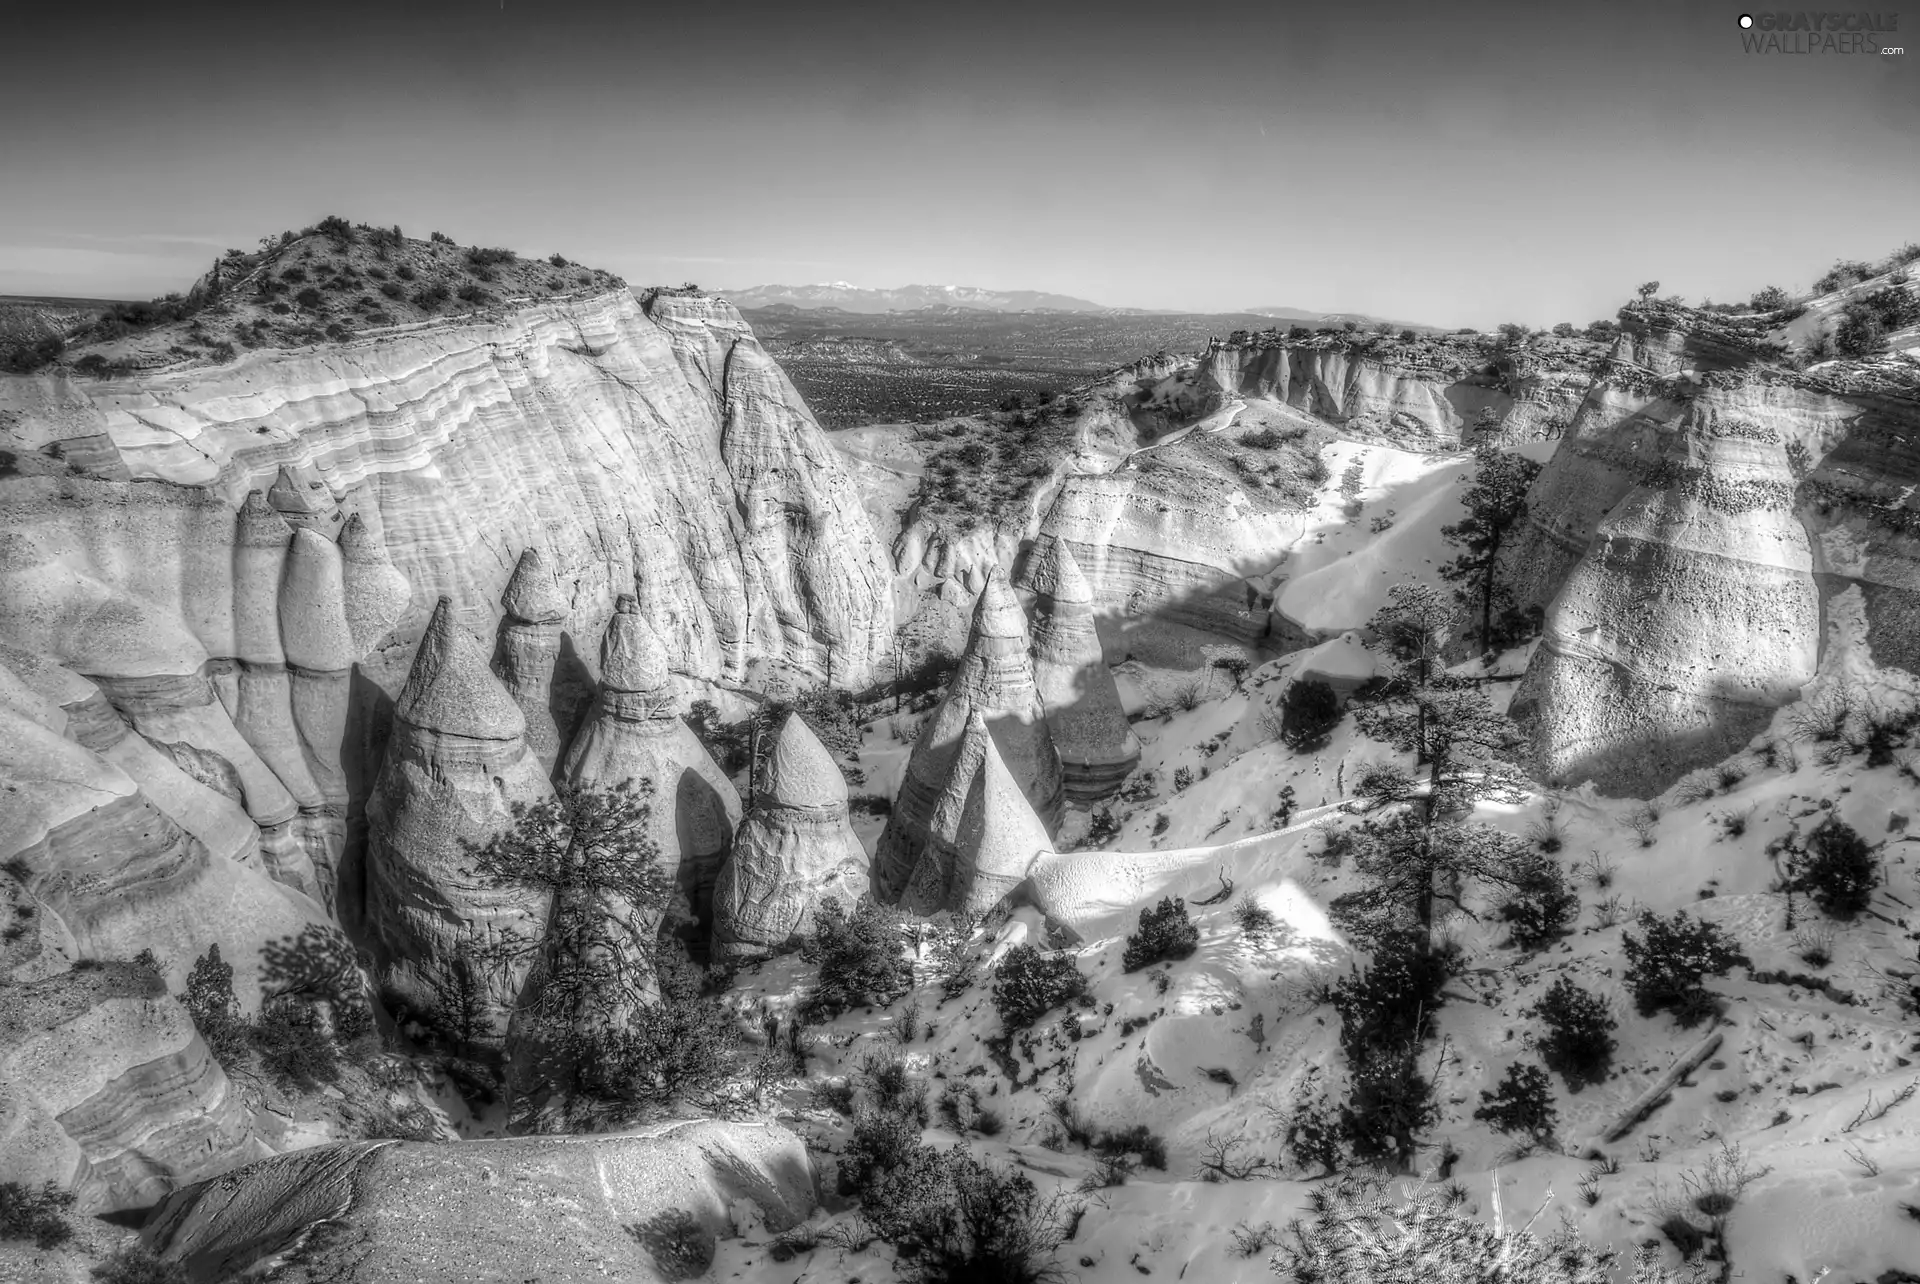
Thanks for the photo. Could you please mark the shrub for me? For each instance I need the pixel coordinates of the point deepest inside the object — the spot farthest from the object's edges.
(392, 289)
(1254, 918)
(1838, 870)
(861, 958)
(1160, 823)
(994, 1228)
(1542, 906)
(471, 293)
(1136, 1139)
(1028, 984)
(1578, 1041)
(1770, 298)
(1521, 1103)
(308, 298)
(892, 1090)
(405, 272)
(294, 1050)
(1666, 966)
(1182, 779)
(1166, 933)
(482, 258)
(1309, 712)
(681, 1248)
(1389, 1005)
(1355, 1233)
(335, 229)
(1389, 1104)
(210, 1002)
(39, 1215)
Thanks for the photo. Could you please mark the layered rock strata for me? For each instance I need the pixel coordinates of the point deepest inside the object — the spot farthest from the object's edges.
(1097, 747)
(148, 534)
(634, 733)
(457, 763)
(580, 1208)
(107, 1090)
(91, 849)
(795, 848)
(994, 680)
(1684, 539)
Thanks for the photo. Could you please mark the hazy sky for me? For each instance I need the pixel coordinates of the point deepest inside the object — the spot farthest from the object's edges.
(1452, 163)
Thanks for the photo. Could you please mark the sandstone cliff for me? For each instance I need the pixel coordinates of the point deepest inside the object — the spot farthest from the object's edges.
(1704, 506)
(147, 532)
(1097, 747)
(106, 1089)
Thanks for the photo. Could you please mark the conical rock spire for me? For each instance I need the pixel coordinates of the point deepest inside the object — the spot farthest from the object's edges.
(1097, 747)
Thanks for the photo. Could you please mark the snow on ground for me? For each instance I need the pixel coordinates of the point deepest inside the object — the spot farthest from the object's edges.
(1338, 573)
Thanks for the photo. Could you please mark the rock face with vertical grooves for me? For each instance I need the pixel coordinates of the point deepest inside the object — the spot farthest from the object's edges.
(995, 679)
(557, 1209)
(1097, 747)
(795, 847)
(457, 763)
(107, 1090)
(634, 733)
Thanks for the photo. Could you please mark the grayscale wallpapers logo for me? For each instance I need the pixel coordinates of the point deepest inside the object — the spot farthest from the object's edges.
(1801, 32)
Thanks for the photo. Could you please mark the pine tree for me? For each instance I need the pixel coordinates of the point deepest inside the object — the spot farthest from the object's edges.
(1495, 503)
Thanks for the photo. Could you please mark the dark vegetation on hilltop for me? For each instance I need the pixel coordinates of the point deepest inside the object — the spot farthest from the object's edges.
(324, 283)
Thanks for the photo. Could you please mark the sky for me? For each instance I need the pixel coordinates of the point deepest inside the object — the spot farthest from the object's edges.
(1455, 164)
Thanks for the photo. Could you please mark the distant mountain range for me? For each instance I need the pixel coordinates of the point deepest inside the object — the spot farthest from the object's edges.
(843, 297)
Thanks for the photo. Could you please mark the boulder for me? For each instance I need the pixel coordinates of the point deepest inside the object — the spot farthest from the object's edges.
(795, 847)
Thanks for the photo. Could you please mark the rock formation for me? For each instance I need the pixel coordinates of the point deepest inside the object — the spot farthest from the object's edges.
(795, 847)
(117, 874)
(1097, 747)
(994, 680)
(457, 763)
(148, 534)
(634, 733)
(409, 1210)
(107, 1090)
(534, 607)
(1683, 539)
(985, 836)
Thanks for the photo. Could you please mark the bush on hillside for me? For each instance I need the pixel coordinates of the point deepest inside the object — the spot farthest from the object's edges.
(1028, 984)
(1522, 1103)
(1542, 907)
(1390, 1005)
(37, 1214)
(1389, 1104)
(1166, 934)
(210, 1002)
(1577, 1043)
(1666, 965)
(861, 957)
(1838, 870)
(1309, 712)
(134, 1264)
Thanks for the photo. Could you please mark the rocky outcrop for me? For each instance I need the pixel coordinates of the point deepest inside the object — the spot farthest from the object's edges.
(553, 1208)
(457, 763)
(107, 1090)
(1669, 539)
(533, 609)
(995, 681)
(795, 848)
(634, 733)
(1097, 747)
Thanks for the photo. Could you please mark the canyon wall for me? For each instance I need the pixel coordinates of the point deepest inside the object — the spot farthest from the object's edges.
(1685, 538)
(242, 557)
